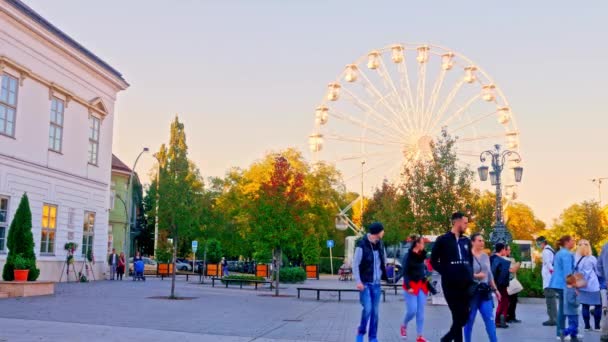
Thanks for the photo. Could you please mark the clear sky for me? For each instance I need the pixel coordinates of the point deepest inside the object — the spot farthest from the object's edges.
(245, 76)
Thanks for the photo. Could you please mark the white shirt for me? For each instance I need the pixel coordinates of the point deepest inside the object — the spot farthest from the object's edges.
(547, 270)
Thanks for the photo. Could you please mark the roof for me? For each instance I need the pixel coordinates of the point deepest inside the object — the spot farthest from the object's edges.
(26, 10)
(118, 165)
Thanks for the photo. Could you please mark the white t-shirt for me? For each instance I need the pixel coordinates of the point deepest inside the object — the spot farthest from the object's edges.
(548, 256)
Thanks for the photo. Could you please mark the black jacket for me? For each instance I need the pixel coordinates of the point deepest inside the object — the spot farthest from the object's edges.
(500, 270)
(366, 267)
(453, 260)
(414, 268)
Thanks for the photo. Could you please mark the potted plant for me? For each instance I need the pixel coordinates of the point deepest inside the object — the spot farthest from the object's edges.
(22, 269)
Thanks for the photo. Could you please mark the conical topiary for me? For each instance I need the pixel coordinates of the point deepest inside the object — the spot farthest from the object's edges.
(20, 241)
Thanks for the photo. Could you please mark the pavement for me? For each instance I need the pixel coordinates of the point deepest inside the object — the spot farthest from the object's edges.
(128, 311)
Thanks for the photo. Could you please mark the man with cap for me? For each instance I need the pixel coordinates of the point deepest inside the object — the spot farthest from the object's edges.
(548, 255)
(368, 270)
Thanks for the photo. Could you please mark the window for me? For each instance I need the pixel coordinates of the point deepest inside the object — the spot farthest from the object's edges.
(93, 139)
(3, 222)
(88, 232)
(8, 104)
(56, 127)
(49, 223)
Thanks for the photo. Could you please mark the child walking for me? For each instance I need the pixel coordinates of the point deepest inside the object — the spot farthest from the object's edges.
(571, 305)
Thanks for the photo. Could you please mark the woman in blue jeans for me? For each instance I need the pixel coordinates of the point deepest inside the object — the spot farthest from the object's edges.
(415, 287)
(482, 301)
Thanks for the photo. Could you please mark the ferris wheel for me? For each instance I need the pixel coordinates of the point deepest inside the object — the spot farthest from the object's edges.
(385, 109)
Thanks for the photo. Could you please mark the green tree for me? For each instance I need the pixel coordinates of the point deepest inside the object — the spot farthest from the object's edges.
(522, 222)
(311, 250)
(214, 251)
(180, 191)
(278, 212)
(483, 213)
(21, 242)
(394, 210)
(582, 221)
(438, 187)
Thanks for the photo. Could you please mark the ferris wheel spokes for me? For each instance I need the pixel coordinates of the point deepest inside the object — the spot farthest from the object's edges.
(364, 125)
(459, 111)
(446, 104)
(362, 105)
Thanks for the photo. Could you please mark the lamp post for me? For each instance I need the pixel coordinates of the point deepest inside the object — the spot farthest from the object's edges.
(127, 241)
(156, 210)
(499, 231)
(599, 182)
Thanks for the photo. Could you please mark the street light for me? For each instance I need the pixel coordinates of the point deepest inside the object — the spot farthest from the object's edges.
(155, 155)
(127, 241)
(599, 182)
(499, 158)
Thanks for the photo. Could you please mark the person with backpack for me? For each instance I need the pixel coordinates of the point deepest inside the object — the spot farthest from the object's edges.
(500, 270)
(548, 254)
(562, 267)
(589, 295)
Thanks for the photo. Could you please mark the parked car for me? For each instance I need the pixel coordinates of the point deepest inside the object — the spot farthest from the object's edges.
(150, 266)
(183, 266)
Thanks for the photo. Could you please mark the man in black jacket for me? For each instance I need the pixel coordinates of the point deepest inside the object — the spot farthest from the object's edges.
(500, 271)
(369, 268)
(452, 258)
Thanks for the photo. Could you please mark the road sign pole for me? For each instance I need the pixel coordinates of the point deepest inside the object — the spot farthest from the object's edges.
(331, 261)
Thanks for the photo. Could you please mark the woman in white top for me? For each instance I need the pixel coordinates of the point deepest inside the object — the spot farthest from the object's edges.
(590, 294)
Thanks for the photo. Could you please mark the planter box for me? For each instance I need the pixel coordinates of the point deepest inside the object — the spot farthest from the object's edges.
(261, 270)
(312, 272)
(27, 289)
(214, 270)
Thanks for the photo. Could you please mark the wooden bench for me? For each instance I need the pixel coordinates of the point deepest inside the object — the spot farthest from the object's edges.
(241, 282)
(319, 290)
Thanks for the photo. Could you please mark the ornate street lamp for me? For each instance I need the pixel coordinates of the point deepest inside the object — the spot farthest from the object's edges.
(499, 158)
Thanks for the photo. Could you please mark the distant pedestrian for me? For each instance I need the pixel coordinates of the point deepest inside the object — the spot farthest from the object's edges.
(369, 268)
(225, 267)
(415, 287)
(562, 267)
(548, 255)
(500, 271)
(120, 269)
(481, 299)
(452, 259)
(571, 304)
(513, 291)
(113, 263)
(589, 295)
(602, 266)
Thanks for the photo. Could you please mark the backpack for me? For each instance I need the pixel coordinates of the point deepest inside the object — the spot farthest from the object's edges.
(552, 251)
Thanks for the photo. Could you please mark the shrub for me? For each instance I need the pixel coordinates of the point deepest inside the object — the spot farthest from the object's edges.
(164, 252)
(292, 275)
(20, 263)
(325, 266)
(532, 281)
(20, 242)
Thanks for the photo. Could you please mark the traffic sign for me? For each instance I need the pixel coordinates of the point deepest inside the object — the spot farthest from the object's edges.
(330, 243)
(194, 246)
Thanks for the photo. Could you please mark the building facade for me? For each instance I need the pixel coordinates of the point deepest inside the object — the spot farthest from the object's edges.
(119, 206)
(56, 120)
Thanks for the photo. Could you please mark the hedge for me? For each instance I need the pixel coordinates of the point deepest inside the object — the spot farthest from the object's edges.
(325, 267)
(292, 275)
(532, 281)
(241, 277)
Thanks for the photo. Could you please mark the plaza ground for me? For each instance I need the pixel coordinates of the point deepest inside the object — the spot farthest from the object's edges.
(125, 311)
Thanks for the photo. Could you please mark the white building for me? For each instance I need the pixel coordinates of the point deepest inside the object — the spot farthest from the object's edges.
(56, 117)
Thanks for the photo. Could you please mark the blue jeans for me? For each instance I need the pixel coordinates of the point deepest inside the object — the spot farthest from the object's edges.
(370, 300)
(572, 329)
(486, 308)
(415, 307)
(561, 319)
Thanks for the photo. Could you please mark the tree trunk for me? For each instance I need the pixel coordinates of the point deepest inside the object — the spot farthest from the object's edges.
(277, 270)
(174, 259)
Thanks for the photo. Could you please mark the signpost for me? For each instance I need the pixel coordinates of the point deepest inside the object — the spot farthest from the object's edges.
(330, 245)
(194, 248)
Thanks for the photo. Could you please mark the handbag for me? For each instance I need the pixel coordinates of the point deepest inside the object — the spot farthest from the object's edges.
(480, 289)
(514, 287)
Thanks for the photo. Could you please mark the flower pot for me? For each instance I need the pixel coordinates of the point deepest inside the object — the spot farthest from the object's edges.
(21, 275)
